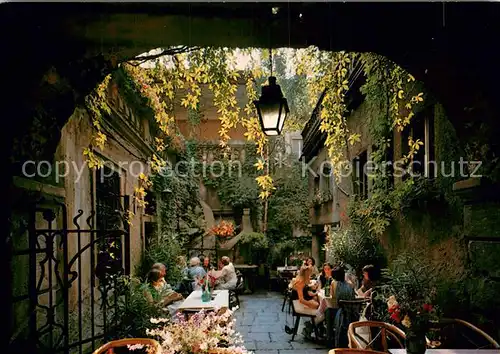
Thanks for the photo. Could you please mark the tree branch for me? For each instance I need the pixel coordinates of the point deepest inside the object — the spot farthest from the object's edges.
(170, 51)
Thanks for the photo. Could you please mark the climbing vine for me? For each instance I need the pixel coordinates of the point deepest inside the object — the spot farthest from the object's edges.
(183, 77)
(97, 106)
(392, 97)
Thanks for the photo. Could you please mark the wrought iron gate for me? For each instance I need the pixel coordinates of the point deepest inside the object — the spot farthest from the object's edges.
(69, 297)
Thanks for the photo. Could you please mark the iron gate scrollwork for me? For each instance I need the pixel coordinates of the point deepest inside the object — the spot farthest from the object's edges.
(72, 278)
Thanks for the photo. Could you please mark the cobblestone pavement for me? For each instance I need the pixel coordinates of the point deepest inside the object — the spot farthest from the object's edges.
(262, 324)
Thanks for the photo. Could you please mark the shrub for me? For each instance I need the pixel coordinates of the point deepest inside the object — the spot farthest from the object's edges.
(411, 281)
(254, 247)
(288, 249)
(166, 250)
(134, 311)
(356, 248)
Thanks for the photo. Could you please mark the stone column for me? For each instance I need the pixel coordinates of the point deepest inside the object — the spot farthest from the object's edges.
(246, 222)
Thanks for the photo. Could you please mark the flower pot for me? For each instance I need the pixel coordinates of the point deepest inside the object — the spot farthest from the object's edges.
(415, 342)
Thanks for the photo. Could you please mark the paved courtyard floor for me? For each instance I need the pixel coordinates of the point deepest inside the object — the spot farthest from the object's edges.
(262, 324)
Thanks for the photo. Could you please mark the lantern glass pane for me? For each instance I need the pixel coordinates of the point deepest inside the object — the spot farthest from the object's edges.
(270, 115)
(282, 122)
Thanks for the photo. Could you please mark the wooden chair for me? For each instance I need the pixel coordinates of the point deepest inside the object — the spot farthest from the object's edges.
(378, 337)
(109, 348)
(455, 333)
(353, 351)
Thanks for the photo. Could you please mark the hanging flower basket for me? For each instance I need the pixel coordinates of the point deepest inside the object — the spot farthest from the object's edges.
(224, 230)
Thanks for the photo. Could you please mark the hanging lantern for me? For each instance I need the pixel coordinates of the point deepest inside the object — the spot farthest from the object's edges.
(272, 108)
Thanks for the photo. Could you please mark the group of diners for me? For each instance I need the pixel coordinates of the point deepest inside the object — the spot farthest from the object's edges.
(336, 283)
(157, 290)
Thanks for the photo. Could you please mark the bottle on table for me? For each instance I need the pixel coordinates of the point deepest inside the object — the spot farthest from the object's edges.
(327, 287)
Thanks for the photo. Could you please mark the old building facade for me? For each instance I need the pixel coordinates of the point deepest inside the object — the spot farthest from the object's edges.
(330, 195)
(70, 229)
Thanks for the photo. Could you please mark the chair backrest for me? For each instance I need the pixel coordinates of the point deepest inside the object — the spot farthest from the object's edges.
(353, 308)
(353, 351)
(109, 348)
(239, 282)
(375, 336)
(455, 333)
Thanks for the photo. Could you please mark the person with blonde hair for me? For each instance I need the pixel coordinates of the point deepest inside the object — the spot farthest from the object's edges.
(301, 290)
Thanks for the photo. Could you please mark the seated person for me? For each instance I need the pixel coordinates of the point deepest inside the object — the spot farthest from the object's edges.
(301, 290)
(195, 271)
(370, 278)
(342, 290)
(310, 262)
(163, 272)
(182, 265)
(227, 278)
(157, 291)
(207, 265)
(325, 276)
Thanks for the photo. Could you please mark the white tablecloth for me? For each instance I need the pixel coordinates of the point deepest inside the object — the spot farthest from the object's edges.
(324, 303)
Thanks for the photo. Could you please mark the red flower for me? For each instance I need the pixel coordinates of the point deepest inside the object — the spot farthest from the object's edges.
(394, 308)
(428, 307)
(395, 312)
(396, 315)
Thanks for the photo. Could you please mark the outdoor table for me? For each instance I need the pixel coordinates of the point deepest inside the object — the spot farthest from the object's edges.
(193, 303)
(327, 302)
(248, 272)
(450, 351)
(287, 269)
(285, 275)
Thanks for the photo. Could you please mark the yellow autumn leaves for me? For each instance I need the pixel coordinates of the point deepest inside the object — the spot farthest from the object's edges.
(402, 116)
(335, 79)
(332, 72)
(97, 104)
(265, 182)
(214, 68)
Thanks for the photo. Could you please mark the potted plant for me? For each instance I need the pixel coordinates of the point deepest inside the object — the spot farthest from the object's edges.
(320, 197)
(409, 290)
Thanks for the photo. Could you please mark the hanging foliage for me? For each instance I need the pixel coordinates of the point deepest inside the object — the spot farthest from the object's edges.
(180, 78)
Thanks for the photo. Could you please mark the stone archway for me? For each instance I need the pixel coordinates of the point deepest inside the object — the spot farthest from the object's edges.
(446, 46)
